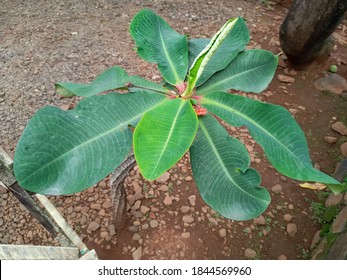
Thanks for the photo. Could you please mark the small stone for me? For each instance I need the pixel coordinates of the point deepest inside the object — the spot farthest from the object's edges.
(291, 206)
(185, 209)
(188, 178)
(340, 128)
(185, 235)
(333, 199)
(107, 204)
(102, 184)
(330, 139)
(136, 205)
(340, 222)
(167, 200)
(282, 257)
(104, 234)
(153, 223)
(144, 209)
(137, 254)
(95, 206)
(277, 189)
(287, 217)
(137, 187)
(164, 178)
(316, 239)
(111, 230)
(343, 149)
(250, 254)
(133, 228)
(131, 200)
(260, 221)
(223, 232)
(164, 188)
(93, 226)
(145, 226)
(136, 237)
(213, 221)
(292, 229)
(188, 219)
(192, 200)
(285, 79)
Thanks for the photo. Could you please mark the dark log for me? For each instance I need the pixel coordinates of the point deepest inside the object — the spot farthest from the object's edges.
(33, 208)
(305, 34)
(118, 194)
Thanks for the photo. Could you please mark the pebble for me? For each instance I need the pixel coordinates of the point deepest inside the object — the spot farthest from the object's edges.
(340, 222)
(285, 79)
(167, 200)
(136, 205)
(213, 221)
(145, 226)
(340, 128)
(287, 217)
(164, 178)
(107, 204)
(153, 223)
(260, 221)
(164, 188)
(144, 209)
(95, 206)
(330, 139)
(316, 239)
(137, 254)
(192, 200)
(137, 187)
(185, 209)
(343, 149)
(185, 235)
(93, 226)
(333, 199)
(111, 230)
(282, 257)
(223, 232)
(136, 237)
(250, 254)
(292, 229)
(133, 228)
(188, 178)
(277, 189)
(188, 219)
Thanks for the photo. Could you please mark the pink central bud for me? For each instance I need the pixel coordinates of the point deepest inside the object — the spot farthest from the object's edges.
(181, 87)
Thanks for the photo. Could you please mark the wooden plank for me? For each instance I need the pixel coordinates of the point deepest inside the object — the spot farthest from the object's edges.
(62, 223)
(90, 255)
(30, 252)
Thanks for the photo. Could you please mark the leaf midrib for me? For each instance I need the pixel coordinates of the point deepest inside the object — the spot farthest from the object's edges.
(168, 137)
(90, 141)
(214, 149)
(168, 56)
(208, 87)
(221, 105)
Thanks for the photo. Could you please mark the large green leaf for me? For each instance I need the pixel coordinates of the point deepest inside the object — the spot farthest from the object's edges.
(220, 167)
(63, 152)
(250, 71)
(274, 128)
(157, 42)
(111, 79)
(163, 135)
(234, 42)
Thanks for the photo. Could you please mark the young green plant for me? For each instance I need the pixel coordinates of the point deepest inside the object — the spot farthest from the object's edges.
(64, 152)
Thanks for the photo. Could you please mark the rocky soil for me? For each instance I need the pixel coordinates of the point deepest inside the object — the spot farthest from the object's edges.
(43, 42)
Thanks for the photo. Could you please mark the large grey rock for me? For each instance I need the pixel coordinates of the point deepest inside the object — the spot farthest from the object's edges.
(340, 223)
(333, 83)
